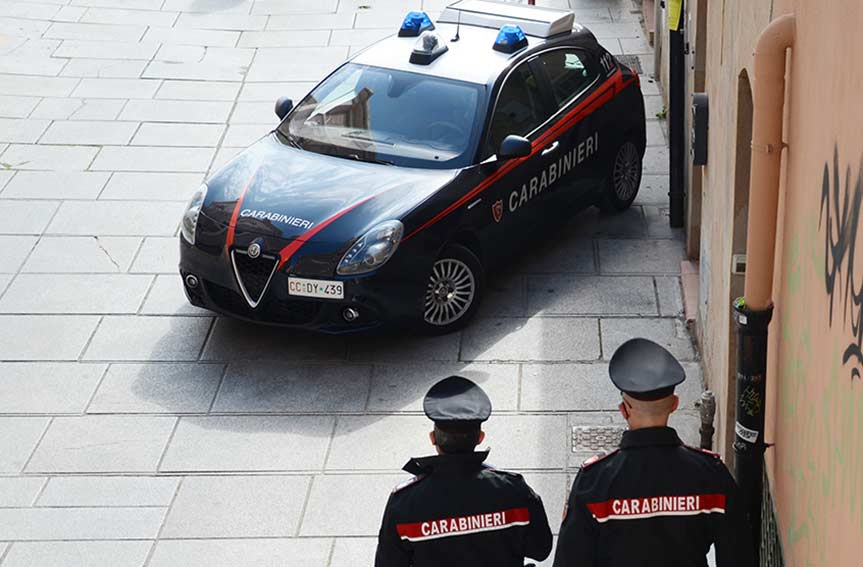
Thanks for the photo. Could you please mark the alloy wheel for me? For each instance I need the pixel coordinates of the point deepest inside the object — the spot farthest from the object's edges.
(627, 171)
(450, 292)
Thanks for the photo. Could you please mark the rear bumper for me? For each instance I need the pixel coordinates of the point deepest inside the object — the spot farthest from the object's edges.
(387, 298)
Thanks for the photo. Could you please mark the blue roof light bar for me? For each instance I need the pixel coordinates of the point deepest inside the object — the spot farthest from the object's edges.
(414, 24)
(510, 39)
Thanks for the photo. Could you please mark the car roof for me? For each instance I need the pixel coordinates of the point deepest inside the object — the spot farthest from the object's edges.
(470, 59)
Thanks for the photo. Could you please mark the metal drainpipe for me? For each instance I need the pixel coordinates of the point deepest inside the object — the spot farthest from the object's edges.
(753, 311)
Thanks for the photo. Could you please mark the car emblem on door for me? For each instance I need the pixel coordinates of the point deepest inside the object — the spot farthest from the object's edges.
(254, 249)
(497, 210)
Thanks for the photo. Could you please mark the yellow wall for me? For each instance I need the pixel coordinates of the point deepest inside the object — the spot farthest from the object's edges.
(817, 464)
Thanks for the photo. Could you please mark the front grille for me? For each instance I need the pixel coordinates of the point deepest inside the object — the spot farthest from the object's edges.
(253, 274)
(290, 312)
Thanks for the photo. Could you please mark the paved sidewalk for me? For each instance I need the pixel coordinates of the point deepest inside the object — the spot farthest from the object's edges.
(136, 430)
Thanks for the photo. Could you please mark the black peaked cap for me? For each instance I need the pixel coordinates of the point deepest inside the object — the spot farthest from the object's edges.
(645, 370)
(456, 400)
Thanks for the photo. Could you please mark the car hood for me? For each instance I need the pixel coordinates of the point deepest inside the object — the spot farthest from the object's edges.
(276, 190)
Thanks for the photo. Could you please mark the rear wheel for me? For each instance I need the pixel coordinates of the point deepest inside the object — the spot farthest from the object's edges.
(453, 291)
(623, 180)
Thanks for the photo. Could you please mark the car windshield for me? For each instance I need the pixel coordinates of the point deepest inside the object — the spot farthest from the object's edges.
(388, 116)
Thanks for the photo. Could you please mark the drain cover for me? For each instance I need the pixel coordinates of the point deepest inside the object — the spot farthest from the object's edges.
(631, 61)
(596, 439)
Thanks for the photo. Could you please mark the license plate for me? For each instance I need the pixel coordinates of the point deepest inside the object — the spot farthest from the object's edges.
(321, 289)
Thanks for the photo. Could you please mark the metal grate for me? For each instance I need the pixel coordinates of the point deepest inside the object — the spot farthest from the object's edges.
(631, 61)
(596, 439)
(771, 542)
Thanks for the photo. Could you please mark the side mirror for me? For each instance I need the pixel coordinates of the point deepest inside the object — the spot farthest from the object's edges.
(283, 106)
(514, 147)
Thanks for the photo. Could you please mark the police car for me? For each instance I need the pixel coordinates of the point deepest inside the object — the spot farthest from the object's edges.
(386, 193)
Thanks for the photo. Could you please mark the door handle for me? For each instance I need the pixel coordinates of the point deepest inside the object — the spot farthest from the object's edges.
(551, 148)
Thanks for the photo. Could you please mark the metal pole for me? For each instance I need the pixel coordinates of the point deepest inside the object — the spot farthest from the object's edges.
(707, 408)
(676, 120)
(749, 420)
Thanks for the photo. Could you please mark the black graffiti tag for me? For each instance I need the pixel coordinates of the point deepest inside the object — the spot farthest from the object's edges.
(840, 215)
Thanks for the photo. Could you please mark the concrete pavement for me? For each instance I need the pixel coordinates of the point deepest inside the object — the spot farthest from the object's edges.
(136, 430)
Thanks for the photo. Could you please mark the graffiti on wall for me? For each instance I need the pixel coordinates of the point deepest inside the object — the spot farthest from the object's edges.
(839, 216)
(820, 429)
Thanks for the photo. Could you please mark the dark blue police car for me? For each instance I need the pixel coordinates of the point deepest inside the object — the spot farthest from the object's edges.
(385, 194)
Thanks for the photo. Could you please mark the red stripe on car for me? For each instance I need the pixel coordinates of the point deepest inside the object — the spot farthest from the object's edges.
(289, 250)
(232, 226)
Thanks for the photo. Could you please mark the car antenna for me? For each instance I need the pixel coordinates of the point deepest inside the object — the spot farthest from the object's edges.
(457, 28)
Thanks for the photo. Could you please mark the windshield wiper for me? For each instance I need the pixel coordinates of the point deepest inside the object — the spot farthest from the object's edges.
(293, 140)
(372, 160)
(358, 135)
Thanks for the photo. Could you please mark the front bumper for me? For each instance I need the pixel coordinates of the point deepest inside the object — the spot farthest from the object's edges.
(389, 297)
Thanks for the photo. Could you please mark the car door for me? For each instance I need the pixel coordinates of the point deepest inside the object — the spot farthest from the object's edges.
(573, 77)
(523, 108)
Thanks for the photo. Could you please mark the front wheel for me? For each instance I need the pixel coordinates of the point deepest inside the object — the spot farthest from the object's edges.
(623, 179)
(452, 292)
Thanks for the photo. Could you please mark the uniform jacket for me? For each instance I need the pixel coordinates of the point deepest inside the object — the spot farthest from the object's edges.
(653, 502)
(458, 512)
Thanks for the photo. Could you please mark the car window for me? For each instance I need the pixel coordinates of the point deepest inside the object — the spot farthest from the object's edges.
(376, 114)
(519, 108)
(569, 71)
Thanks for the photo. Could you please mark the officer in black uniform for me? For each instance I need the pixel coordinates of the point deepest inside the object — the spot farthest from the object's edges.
(653, 501)
(457, 511)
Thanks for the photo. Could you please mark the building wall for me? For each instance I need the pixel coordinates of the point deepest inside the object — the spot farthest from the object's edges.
(815, 362)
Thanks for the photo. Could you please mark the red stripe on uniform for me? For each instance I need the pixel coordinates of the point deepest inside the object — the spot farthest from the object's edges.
(570, 119)
(464, 525)
(655, 506)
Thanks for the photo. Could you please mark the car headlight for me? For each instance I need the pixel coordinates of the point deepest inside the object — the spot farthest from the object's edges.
(372, 250)
(193, 210)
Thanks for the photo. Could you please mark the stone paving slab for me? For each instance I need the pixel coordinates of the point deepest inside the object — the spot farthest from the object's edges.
(109, 443)
(237, 506)
(157, 388)
(275, 387)
(531, 339)
(148, 338)
(249, 443)
(305, 552)
(19, 492)
(18, 438)
(78, 554)
(60, 337)
(47, 387)
(108, 491)
(26, 524)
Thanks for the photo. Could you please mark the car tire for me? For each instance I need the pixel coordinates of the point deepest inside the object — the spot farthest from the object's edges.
(623, 178)
(453, 291)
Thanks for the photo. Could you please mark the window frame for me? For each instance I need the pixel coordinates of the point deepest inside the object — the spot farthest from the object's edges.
(549, 100)
(590, 64)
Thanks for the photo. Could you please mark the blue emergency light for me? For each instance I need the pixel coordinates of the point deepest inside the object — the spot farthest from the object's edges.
(414, 24)
(510, 39)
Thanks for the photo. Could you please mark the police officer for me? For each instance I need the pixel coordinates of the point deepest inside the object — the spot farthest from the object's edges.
(457, 511)
(653, 501)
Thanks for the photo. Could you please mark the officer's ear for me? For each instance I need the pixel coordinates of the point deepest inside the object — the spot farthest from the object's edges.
(676, 403)
(480, 438)
(432, 438)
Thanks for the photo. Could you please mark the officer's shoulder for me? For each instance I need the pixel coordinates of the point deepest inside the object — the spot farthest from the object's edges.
(408, 483)
(592, 461)
(491, 470)
(704, 453)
